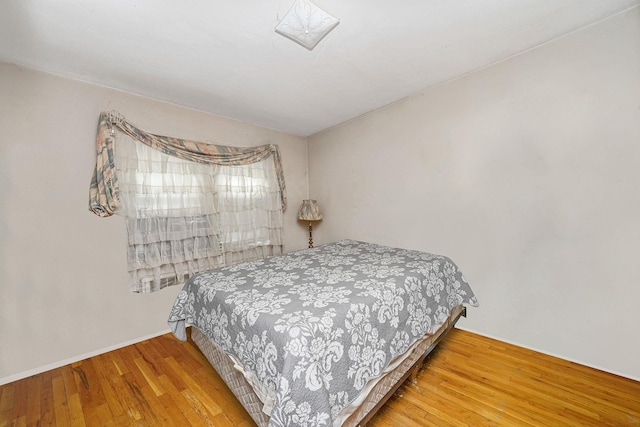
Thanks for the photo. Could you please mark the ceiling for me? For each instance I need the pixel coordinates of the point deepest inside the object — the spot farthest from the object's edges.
(224, 57)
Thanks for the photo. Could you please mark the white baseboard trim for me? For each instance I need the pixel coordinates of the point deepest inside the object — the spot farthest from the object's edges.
(41, 369)
(620, 374)
(55, 365)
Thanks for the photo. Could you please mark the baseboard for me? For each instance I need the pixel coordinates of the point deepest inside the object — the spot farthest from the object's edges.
(579, 362)
(41, 369)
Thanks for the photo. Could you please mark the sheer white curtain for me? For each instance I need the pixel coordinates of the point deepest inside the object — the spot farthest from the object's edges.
(184, 217)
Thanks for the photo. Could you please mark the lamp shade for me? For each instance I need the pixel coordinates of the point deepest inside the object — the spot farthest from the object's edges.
(309, 211)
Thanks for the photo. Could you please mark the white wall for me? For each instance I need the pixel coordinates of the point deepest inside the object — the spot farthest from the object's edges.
(527, 174)
(63, 283)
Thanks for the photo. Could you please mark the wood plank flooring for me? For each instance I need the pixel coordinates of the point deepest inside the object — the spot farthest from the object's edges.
(469, 380)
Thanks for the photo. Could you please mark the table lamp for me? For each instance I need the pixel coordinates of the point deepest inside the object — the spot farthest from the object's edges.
(309, 211)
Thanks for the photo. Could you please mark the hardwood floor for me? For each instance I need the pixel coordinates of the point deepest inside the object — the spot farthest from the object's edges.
(469, 380)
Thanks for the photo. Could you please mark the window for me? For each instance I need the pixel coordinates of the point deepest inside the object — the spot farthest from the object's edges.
(184, 217)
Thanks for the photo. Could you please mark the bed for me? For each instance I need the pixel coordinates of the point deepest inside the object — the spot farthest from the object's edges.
(321, 336)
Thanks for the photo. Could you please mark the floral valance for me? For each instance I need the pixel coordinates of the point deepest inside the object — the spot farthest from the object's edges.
(104, 195)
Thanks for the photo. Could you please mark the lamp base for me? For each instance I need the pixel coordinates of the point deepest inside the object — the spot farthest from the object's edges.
(310, 236)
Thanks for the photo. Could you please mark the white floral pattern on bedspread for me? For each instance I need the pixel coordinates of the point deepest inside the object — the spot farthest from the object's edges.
(314, 326)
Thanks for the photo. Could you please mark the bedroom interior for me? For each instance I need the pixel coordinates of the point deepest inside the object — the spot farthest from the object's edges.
(522, 168)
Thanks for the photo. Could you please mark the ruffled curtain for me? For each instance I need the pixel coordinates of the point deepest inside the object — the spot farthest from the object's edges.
(189, 206)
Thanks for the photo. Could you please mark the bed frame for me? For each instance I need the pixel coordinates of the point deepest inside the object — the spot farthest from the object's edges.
(362, 414)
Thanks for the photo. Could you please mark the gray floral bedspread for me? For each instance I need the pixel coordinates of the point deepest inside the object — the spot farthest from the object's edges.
(314, 326)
